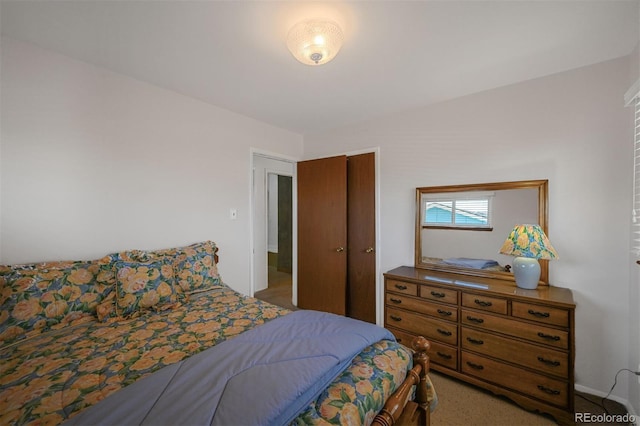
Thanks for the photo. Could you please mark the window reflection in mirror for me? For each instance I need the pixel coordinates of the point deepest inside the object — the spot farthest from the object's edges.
(470, 211)
(461, 228)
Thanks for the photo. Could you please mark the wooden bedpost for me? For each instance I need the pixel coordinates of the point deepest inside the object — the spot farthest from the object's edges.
(398, 410)
(421, 346)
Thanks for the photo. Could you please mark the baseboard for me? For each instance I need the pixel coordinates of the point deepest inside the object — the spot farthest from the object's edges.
(615, 398)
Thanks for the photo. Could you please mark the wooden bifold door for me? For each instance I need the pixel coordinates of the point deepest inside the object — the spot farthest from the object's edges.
(336, 235)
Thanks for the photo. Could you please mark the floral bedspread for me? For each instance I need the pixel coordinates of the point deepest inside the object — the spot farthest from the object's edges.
(359, 393)
(50, 377)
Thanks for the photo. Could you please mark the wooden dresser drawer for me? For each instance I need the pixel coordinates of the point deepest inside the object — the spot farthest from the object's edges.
(402, 336)
(485, 303)
(444, 355)
(539, 313)
(539, 358)
(533, 332)
(402, 287)
(434, 309)
(430, 328)
(440, 354)
(535, 385)
(439, 294)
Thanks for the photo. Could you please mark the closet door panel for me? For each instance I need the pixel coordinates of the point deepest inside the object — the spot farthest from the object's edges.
(361, 231)
(322, 234)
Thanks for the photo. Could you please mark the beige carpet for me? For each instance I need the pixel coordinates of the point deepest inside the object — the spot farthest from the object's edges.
(462, 404)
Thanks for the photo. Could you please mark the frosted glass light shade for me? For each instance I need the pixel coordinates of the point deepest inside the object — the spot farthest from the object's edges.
(315, 42)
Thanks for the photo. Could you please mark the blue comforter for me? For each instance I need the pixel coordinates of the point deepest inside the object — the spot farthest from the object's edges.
(266, 375)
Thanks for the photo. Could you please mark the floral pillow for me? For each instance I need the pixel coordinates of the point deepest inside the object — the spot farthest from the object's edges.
(144, 286)
(195, 265)
(197, 273)
(149, 255)
(42, 296)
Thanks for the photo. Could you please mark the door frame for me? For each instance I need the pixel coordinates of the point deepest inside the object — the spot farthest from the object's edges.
(252, 203)
(294, 186)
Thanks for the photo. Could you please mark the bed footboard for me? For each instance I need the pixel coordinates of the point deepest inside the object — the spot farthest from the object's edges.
(398, 409)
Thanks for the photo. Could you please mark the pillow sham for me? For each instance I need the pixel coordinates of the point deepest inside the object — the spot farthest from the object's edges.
(143, 286)
(195, 265)
(197, 273)
(39, 296)
(149, 255)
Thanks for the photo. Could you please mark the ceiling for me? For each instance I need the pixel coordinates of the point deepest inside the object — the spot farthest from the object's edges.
(397, 55)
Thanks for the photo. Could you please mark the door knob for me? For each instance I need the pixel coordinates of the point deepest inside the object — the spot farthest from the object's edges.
(369, 250)
(340, 249)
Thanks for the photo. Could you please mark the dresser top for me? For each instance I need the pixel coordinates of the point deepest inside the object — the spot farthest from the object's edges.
(546, 293)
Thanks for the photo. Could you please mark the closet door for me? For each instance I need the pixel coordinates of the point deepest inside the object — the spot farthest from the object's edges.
(361, 235)
(322, 234)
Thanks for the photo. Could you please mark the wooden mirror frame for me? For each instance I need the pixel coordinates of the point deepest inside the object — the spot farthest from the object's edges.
(540, 185)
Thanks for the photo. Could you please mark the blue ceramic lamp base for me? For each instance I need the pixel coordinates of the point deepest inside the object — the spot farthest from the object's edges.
(526, 271)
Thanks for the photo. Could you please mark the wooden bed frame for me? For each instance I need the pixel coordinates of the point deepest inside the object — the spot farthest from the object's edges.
(398, 410)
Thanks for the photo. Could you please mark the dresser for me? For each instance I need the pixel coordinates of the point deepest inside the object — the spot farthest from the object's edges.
(487, 332)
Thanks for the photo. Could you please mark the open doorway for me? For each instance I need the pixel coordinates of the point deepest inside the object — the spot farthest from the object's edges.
(279, 239)
(273, 230)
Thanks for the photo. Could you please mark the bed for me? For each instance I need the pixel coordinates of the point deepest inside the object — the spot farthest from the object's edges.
(85, 343)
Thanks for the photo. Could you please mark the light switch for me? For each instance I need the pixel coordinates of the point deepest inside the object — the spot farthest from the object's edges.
(233, 214)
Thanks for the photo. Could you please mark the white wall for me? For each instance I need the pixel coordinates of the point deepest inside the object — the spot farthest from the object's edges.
(570, 128)
(94, 162)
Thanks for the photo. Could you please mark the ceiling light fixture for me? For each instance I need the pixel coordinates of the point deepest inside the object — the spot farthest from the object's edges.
(315, 42)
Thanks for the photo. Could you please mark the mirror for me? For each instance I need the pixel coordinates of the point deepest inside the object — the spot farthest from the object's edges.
(461, 228)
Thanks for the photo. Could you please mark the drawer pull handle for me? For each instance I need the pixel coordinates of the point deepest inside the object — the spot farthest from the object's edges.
(438, 295)
(395, 318)
(482, 303)
(549, 362)
(538, 314)
(394, 300)
(548, 390)
(445, 356)
(474, 319)
(476, 341)
(476, 366)
(401, 287)
(548, 336)
(443, 312)
(444, 332)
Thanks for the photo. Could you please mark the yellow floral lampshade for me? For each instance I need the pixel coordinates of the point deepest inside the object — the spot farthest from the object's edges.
(528, 241)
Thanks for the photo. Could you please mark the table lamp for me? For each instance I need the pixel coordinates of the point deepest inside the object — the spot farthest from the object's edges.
(528, 243)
